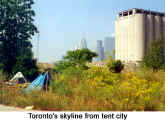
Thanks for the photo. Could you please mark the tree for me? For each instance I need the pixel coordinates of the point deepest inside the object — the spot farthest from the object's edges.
(80, 57)
(75, 58)
(155, 57)
(16, 28)
(26, 65)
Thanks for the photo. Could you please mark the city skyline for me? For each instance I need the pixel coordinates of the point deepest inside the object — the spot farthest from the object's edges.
(104, 48)
(62, 23)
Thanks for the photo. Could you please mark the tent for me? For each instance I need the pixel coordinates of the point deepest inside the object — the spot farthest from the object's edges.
(17, 79)
(42, 81)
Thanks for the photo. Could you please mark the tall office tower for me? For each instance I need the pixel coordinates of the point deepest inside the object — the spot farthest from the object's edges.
(82, 44)
(109, 46)
(99, 51)
(134, 31)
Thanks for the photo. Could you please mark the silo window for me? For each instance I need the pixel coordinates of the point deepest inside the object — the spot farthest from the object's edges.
(120, 15)
(125, 13)
(130, 12)
(138, 11)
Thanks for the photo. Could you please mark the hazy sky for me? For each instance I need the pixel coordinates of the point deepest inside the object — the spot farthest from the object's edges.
(63, 23)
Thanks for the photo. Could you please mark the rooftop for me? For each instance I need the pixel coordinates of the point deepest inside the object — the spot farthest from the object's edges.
(136, 10)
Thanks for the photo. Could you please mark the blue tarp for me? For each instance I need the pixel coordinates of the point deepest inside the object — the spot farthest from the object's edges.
(38, 83)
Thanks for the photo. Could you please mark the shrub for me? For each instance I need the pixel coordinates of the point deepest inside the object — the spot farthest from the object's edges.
(115, 66)
(66, 80)
(163, 67)
(154, 57)
(60, 66)
(3, 77)
(137, 93)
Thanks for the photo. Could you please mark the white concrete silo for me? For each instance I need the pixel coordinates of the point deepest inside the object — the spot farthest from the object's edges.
(140, 36)
(150, 29)
(163, 19)
(135, 29)
(157, 27)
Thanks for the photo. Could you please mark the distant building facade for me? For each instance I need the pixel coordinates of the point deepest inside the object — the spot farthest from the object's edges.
(99, 50)
(82, 44)
(134, 31)
(108, 47)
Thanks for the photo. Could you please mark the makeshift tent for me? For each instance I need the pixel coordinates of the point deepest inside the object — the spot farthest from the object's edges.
(17, 79)
(39, 82)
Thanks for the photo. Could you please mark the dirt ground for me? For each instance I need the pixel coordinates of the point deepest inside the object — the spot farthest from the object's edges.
(4, 108)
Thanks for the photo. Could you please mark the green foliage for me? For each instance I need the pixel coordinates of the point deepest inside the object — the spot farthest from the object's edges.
(115, 66)
(60, 66)
(75, 58)
(2, 77)
(16, 28)
(80, 57)
(27, 65)
(163, 67)
(155, 56)
(64, 82)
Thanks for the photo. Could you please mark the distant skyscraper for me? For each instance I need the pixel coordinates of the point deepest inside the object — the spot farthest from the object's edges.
(99, 51)
(109, 46)
(82, 44)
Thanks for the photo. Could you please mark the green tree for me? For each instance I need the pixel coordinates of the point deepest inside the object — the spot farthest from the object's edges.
(155, 57)
(26, 65)
(16, 28)
(75, 58)
(80, 57)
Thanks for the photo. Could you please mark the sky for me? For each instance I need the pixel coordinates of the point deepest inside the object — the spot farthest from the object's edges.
(63, 23)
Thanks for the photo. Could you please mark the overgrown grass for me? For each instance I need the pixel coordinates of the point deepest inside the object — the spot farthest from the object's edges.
(95, 89)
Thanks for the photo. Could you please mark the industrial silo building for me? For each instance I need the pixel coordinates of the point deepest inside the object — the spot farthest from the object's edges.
(134, 31)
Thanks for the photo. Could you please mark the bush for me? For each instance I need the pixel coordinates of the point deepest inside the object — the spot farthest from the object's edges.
(64, 83)
(155, 55)
(3, 77)
(115, 66)
(60, 66)
(163, 67)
